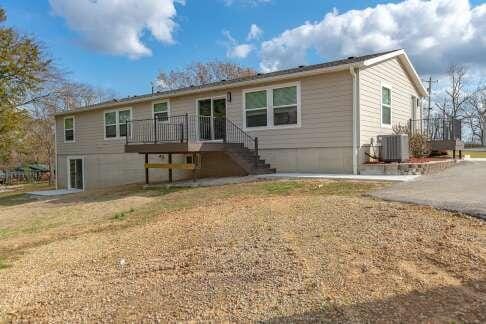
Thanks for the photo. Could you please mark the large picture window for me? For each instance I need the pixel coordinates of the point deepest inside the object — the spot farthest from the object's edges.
(69, 129)
(385, 106)
(161, 111)
(116, 123)
(274, 107)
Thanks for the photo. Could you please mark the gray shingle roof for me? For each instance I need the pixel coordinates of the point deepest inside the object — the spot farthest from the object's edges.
(159, 94)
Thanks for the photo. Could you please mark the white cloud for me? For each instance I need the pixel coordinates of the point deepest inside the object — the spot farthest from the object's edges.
(435, 33)
(115, 26)
(236, 50)
(240, 51)
(255, 33)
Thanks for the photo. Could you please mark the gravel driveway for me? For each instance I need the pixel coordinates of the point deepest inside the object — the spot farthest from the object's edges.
(461, 189)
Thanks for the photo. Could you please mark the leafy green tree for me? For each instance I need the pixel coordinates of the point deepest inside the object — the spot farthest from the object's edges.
(22, 68)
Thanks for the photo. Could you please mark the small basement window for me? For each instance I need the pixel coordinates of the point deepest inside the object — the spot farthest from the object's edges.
(69, 129)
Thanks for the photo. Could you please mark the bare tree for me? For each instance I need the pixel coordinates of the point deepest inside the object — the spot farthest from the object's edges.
(198, 73)
(476, 114)
(453, 103)
(56, 95)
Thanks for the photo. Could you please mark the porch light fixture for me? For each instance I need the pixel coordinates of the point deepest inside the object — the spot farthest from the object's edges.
(228, 96)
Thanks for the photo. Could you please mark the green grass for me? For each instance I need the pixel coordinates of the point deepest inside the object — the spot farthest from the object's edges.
(472, 154)
(283, 187)
(3, 263)
(475, 154)
(16, 195)
(123, 215)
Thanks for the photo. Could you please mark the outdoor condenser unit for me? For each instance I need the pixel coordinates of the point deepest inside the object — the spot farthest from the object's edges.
(393, 148)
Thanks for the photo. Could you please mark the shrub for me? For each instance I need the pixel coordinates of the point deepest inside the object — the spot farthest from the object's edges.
(418, 145)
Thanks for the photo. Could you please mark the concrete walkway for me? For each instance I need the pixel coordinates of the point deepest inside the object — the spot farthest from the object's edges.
(52, 193)
(461, 188)
(400, 178)
(210, 182)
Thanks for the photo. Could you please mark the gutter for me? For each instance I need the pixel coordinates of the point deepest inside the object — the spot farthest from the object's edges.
(354, 70)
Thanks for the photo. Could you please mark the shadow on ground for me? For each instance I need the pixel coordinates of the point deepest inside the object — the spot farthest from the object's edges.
(465, 303)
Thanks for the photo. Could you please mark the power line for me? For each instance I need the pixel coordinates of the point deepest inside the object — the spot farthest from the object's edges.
(429, 90)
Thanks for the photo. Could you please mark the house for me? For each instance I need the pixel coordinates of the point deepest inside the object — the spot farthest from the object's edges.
(316, 118)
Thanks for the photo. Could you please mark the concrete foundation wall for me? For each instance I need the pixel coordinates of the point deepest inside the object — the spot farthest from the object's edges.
(317, 159)
(108, 170)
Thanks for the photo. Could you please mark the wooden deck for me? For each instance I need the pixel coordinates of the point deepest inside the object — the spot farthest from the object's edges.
(447, 145)
(179, 148)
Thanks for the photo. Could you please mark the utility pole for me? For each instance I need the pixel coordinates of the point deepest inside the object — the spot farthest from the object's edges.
(429, 108)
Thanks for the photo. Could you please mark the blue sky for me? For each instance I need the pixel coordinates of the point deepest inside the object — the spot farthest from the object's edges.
(197, 33)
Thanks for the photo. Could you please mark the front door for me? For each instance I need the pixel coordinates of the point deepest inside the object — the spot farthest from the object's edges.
(212, 119)
(75, 173)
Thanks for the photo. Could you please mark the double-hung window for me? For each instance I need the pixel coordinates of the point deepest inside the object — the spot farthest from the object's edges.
(386, 106)
(69, 129)
(272, 107)
(285, 106)
(116, 123)
(161, 111)
(256, 108)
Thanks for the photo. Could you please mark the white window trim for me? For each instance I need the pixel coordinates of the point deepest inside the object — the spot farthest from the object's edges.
(386, 85)
(270, 107)
(68, 167)
(117, 137)
(168, 108)
(64, 129)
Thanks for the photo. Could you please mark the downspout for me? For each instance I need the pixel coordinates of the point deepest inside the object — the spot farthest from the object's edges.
(55, 154)
(354, 70)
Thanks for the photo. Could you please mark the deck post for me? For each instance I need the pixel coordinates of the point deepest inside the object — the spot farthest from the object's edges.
(146, 169)
(170, 169)
(194, 170)
(155, 130)
(187, 127)
(256, 152)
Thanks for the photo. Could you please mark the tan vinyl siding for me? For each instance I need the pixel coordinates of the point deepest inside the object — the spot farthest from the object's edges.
(326, 123)
(326, 103)
(389, 73)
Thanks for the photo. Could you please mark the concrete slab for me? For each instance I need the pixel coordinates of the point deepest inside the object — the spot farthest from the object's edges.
(458, 189)
(52, 193)
(394, 178)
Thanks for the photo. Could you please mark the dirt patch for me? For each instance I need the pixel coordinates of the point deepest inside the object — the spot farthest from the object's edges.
(277, 251)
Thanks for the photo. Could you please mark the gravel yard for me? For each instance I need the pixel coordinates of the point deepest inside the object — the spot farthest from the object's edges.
(265, 251)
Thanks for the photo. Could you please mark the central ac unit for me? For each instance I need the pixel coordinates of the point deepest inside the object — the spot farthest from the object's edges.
(393, 148)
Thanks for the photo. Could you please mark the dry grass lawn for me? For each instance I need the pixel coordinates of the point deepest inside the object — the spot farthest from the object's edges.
(265, 251)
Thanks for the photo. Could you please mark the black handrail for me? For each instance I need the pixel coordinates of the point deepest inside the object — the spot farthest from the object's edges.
(189, 129)
(437, 128)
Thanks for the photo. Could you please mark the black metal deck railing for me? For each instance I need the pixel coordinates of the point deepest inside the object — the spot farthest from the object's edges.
(437, 129)
(188, 129)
